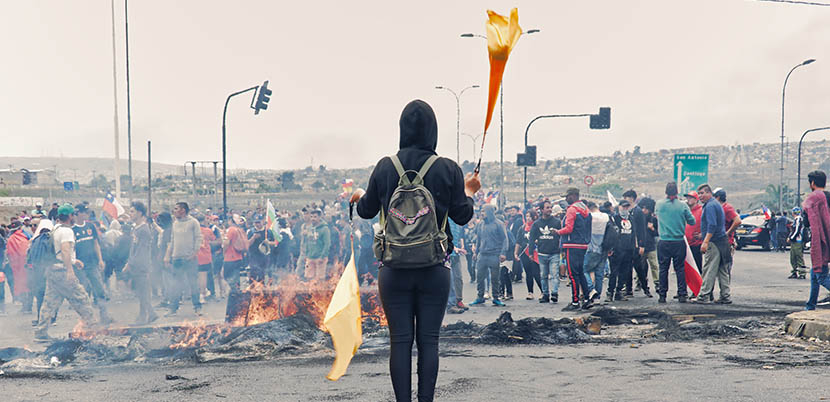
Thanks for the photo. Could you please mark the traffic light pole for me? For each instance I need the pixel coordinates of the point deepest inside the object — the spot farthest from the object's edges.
(548, 116)
(224, 151)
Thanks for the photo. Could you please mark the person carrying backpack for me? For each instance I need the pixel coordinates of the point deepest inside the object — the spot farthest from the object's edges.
(414, 286)
(603, 239)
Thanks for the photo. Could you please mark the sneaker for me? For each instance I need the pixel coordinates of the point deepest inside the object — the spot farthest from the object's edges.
(508, 297)
(793, 275)
(703, 299)
(478, 301)
(461, 305)
(802, 276)
(619, 297)
(587, 304)
(662, 299)
(486, 296)
(593, 295)
(544, 299)
(609, 297)
(823, 302)
(726, 300)
(554, 297)
(571, 307)
(647, 293)
(197, 312)
(454, 310)
(497, 302)
(529, 296)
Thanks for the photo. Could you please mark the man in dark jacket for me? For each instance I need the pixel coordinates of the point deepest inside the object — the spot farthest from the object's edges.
(491, 249)
(543, 238)
(576, 234)
(622, 258)
(414, 300)
(646, 247)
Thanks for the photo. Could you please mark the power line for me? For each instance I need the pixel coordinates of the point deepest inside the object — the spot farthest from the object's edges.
(807, 3)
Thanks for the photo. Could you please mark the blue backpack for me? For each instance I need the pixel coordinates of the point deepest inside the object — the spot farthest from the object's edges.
(41, 251)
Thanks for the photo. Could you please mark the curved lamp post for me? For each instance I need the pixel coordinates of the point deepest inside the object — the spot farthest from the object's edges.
(781, 172)
(798, 186)
(457, 118)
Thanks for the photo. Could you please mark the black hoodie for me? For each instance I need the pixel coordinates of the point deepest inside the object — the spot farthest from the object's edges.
(418, 139)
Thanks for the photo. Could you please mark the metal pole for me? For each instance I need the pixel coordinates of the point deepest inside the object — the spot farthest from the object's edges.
(224, 152)
(781, 170)
(215, 175)
(193, 165)
(149, 178)
(117, 169)
(798, 186)
(129, 124)
(549, 116)
(501, 147)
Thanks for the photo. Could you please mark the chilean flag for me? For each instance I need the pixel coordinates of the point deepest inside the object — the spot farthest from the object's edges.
(693, 279)
(112, 206)
(765, 210)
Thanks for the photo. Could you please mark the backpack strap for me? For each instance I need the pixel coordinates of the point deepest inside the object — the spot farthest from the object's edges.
(404, 180)
(419, 180)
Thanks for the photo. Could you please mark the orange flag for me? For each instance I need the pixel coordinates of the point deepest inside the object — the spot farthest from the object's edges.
(502, 36)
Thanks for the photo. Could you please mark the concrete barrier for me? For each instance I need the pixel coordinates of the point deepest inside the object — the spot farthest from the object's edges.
(809, 324)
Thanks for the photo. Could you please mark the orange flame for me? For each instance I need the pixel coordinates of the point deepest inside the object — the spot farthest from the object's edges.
(198, 334)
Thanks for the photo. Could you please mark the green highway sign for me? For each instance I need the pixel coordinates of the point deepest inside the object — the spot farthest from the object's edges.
(690, 171)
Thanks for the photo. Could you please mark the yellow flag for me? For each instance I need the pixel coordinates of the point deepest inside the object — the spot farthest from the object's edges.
(343, 320)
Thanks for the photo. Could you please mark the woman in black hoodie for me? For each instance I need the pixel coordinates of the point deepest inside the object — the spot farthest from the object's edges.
(414, 300)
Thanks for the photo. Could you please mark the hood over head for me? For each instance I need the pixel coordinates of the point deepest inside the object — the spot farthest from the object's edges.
(489, 213)
(419, 129)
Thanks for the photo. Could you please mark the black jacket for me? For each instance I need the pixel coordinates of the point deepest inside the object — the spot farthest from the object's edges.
(543, 237)
(628, 238)
(418, 139)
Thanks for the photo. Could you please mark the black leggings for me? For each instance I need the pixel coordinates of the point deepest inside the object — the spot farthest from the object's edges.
(414, 301)
(532, 271)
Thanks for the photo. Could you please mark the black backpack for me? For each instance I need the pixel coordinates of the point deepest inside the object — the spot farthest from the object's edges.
(410, 235)
(611, 237)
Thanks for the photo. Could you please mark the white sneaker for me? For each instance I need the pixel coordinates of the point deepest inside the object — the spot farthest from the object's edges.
(530, 296)
(486, 295)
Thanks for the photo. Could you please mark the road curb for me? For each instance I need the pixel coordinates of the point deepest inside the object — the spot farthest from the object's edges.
(809, 324)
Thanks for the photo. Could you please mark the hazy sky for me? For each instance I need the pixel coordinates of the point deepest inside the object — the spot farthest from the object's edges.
(676, 73)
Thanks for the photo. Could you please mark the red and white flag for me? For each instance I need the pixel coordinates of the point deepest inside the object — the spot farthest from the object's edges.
(693, 279)
(112, 206)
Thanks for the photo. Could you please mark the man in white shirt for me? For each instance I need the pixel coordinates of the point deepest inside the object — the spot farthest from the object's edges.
(61, 282)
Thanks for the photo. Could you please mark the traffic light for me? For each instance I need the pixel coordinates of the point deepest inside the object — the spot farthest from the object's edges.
(262, 98)
(528, 158)
(601, 121)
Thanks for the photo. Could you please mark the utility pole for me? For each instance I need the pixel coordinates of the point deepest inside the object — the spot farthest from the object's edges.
(129, 123)
(261, 104)
(117, 169)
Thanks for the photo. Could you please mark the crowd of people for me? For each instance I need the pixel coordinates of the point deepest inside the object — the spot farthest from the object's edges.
(586, 243)
(166, 256)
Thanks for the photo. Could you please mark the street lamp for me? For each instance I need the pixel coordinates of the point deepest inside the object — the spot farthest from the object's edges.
(501, 112)
(781, 172)
(457, 118)
(798, 186)
(473, 139)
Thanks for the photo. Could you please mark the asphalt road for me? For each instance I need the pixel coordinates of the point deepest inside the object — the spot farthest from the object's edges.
(624, 363)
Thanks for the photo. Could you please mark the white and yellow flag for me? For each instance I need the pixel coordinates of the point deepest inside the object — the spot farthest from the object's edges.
(343, 320)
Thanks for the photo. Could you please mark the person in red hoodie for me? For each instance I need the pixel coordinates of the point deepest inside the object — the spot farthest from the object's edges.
(693, 231)
(576, 234)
